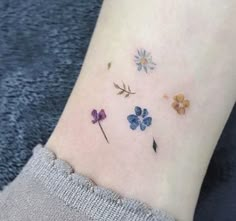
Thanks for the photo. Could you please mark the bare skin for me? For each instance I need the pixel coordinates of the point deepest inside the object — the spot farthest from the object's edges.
(192, 45)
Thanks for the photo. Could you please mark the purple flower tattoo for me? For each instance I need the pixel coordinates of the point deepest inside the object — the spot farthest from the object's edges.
(97, 118)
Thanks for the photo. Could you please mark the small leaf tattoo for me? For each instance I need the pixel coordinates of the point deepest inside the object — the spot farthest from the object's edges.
(97, 118)
(154, 145)
(124, 89)
(109, 65)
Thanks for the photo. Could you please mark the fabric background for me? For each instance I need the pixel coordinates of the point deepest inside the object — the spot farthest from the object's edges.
(42, 47)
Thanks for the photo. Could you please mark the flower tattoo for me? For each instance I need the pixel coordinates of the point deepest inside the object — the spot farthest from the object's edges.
(144, 61)
(140, 118)
(97, 118)
(180, 104)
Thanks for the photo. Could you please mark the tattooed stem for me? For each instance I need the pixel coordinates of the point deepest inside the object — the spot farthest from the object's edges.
(103, 131)
(125, 90)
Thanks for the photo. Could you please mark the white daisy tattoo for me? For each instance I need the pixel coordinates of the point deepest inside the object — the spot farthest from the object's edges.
(144, 61)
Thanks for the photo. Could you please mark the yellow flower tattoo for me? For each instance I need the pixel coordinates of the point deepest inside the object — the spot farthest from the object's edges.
(180, 104)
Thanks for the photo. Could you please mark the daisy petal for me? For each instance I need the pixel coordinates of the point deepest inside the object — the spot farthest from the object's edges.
(139, 67)
(152, 66)
(147, 121)
(145, 68)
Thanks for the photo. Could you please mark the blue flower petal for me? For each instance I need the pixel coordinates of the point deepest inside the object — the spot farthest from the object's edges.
(147, 121)
(142, 127)
(134, 125)
(133, 119)
(145, 113)
(138, 110)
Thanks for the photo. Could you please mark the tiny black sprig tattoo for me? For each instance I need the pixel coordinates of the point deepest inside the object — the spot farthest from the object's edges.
(124, 89)
(154, 145)
(109, 65)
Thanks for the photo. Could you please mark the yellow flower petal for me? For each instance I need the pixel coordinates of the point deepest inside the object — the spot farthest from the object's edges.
(179, 97)
(186, 103)
(181, 110)
(175, 105)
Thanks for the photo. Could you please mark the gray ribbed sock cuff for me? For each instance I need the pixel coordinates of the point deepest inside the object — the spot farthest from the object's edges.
(81, 194)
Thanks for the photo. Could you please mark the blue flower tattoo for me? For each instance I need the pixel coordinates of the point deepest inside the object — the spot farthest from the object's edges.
(144, 61)
(140, 118)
